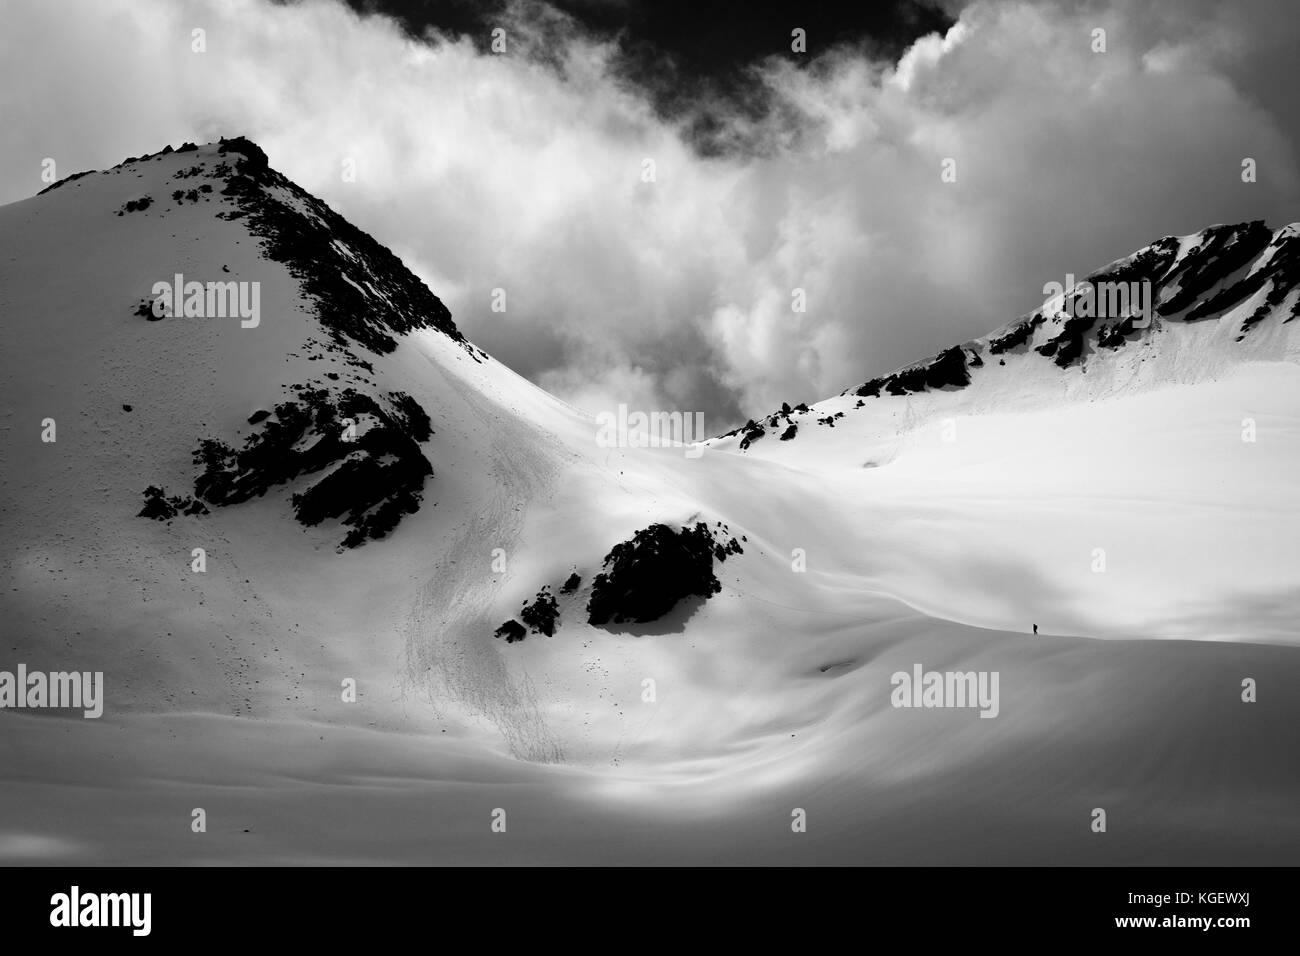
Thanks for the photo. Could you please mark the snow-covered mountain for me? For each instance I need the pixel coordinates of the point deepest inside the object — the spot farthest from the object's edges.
(380, 504)
(1182, 310)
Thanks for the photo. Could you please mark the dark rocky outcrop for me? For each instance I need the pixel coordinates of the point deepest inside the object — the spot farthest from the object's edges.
(752, 433)
(311, 245)
(136, 205)
(645, 577)
(512, 631)
(369, 458)
(1223, 251)
(181, 196)
(159, 507)
(1279, 273)
(1016, 336)
(540, 616)
(1113, 335)
(412, 415)
(1067, 345)
(65, 180)
(945, 370)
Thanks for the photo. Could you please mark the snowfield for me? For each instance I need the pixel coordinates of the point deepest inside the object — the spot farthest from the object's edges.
(1137, 505)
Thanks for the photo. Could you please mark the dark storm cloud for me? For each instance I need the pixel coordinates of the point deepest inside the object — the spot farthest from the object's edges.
(694, 61)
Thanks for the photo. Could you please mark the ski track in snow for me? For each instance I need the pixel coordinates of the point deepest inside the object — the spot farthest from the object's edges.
(449, 632)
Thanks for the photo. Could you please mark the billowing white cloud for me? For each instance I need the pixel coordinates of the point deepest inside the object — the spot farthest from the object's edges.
(502, 171)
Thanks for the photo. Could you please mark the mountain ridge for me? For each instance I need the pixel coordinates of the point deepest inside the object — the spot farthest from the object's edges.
(1209, 275)
(1235, 275)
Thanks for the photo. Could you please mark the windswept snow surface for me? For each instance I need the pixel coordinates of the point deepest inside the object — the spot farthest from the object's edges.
(932, 528)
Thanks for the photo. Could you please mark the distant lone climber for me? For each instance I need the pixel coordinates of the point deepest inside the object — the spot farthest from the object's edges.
(1035, 628)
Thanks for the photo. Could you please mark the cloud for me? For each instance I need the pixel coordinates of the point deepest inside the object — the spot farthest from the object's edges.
(524, 172)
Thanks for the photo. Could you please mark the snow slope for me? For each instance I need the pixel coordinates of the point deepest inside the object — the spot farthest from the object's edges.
(929, 527)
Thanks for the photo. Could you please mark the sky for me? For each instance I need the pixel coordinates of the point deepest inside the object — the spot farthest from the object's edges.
(774, 170)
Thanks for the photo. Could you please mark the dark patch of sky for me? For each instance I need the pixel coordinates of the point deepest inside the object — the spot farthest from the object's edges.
(694, 61)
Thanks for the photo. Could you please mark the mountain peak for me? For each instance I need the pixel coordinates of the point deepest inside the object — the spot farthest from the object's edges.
(1211, 274)
(361, 292)
(318, 303)
(1232, 287)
